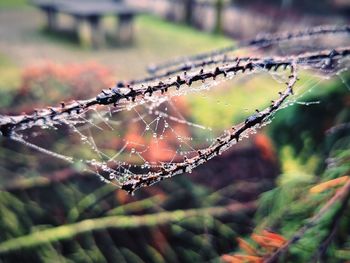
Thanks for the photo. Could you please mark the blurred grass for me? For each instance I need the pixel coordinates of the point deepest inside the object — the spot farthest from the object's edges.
(181, 40)
(10, 75)
(13, 3)
(222, 108)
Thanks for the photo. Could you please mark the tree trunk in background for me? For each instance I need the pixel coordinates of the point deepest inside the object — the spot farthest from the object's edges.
(218, 13)
(286, 4)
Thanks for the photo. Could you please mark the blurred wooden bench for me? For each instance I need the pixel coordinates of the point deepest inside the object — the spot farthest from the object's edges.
(91, 13)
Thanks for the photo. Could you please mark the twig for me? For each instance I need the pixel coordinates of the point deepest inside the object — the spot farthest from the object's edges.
(125, 222)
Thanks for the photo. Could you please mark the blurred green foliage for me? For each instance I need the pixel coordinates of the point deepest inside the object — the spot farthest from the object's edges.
(289, 206)
(307, 140)
(45, 215)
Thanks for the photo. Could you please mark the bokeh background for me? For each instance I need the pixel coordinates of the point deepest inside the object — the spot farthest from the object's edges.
(260, 183)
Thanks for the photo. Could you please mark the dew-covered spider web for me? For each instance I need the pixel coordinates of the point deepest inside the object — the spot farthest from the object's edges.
(187, 111)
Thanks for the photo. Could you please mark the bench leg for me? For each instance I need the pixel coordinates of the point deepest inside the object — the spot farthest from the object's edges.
(90, 32)
(97, 33)
(125, 32)
(52, 18)
(83, 32)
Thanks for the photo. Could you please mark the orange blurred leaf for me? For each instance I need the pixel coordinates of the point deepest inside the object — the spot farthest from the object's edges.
(228, 259)
(273, 236)
(245, 246)
(329, 184)
(265, 146)
(123, 197)
(267, 242)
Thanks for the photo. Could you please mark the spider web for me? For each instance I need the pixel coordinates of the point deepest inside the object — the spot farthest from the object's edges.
(142, 140)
